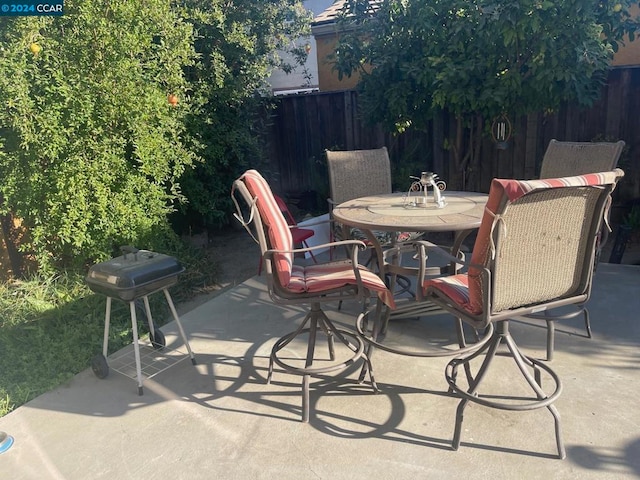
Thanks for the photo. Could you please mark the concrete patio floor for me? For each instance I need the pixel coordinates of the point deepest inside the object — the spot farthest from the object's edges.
(219, 419)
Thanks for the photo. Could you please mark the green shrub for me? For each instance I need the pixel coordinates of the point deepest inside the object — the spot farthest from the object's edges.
(90, 148)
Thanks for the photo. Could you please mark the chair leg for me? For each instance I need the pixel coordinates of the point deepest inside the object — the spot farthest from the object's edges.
(587, 323)
(283, 342)
(313, 257)
(462, 343)
(455, 443)
(551, 335)
(534, 382)
(550, 320)
(330, 339)
(315, 321)
(311, 348)
(524, 363)
(491, 349)
(368, 367)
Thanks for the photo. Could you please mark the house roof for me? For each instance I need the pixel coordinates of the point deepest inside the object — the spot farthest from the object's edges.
(331, 14)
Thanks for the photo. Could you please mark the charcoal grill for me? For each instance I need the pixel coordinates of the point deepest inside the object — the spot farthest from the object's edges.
(132, 277)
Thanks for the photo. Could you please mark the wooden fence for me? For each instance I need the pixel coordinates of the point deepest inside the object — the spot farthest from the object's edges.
(305, 125)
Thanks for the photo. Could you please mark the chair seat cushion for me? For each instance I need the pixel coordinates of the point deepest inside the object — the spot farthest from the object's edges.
(455, 287)
(318, 278)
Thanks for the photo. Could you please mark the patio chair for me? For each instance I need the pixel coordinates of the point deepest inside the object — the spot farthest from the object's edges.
(299, 235)
(534, 251)
(316, 284)
(360, 173)
(563, 159)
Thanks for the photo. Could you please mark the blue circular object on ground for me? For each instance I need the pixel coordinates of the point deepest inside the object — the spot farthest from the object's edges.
(5, 442)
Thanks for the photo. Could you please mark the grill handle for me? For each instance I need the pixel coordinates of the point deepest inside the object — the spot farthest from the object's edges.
(125, 249)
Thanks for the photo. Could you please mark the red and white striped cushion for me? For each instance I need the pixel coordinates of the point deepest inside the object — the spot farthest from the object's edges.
(323, 277)
(515, 189)
(278, 229)
(456, 287)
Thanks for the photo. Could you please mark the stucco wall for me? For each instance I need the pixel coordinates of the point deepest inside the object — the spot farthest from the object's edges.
(328, 79)
(629, 54)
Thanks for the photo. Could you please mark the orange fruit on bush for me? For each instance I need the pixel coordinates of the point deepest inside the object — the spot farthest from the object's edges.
(35, 48)
(172, 99)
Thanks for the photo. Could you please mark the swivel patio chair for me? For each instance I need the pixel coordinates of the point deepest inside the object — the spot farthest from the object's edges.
(359, 173)
(563, 159)
(534, 251)
(316, 284)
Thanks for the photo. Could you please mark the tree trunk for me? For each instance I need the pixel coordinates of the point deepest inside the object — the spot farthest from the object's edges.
(15, 264)
(466, 149)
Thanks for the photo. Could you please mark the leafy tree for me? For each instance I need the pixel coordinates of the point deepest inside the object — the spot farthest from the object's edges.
(90, 148)
(477, 59)
(238, 45)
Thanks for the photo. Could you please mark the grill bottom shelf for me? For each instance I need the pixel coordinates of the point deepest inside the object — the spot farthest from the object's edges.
(152, 361)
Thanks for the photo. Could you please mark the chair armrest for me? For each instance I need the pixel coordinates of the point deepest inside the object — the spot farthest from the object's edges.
(393, 262)
(423, 247)
(357, 244)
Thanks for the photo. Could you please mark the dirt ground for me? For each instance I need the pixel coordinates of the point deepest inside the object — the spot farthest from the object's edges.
(236, 255)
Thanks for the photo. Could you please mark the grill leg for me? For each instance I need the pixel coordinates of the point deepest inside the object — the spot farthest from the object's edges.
(177, 319)
(136, 346)
(147, 310)
(107, 319)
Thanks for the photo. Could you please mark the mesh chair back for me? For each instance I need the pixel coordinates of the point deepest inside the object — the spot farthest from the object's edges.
(358, 173)
(537, 240)
(564, 159)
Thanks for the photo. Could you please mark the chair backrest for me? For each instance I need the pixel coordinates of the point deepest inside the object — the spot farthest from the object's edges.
(536, 241)
(358, 173)
(282, 205)
(565, 159)
(271, 220)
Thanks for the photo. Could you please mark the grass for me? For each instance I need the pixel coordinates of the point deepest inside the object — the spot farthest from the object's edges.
(51, 327)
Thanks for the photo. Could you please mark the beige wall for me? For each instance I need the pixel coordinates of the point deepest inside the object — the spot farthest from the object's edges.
(629, 54)
(327, 79)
